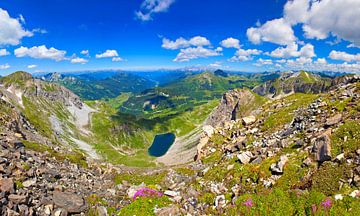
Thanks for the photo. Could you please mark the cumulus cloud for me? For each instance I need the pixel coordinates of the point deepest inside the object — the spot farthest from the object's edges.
(319, 20)
(194, 53)
(41, 52)
(108, 54)
(261, 62)
(344, 56)
(245, 55)
(183, 43)
(291, 50)
(11, 30)
(230, 43)
(85, 52)
(32, 66)
(150, 7)
(4, 66)
(277, 31)
(78, 60)
(4, 52)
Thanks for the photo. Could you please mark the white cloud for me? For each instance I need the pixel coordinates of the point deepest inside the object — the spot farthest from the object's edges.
(4, 66)
(117, 59)
(183, 43)
(85, 52)
(277, 31)
(321, 61)
(41, 52)
(230, 43)
(245, 55)
(291, 50)
(199, 41)
(321, 19)
(150, 7)
(78, 60)
(261, 62)
(108, 54)
(296, 11)
(31, 66)
(4, 52)
(11, 30)
(216, 64)
(343, 56)
(194, 53)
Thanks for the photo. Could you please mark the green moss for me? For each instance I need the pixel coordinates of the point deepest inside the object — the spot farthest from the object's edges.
(346, 138)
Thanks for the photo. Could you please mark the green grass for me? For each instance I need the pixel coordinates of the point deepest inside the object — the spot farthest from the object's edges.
(346, 138)
(144, 206)
(278, 118)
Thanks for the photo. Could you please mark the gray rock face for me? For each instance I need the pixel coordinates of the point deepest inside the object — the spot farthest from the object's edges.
(231, 106)
(322, 147)
(72, 203)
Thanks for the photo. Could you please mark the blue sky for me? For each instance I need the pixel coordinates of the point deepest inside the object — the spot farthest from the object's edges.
(257, 35)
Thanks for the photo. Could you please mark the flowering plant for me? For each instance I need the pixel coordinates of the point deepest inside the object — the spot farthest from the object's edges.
(147, 192)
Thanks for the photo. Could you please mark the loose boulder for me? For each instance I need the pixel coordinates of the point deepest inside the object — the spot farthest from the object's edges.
(322, 147)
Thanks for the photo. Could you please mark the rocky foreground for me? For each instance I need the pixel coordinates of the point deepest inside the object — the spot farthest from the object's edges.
(297, 155)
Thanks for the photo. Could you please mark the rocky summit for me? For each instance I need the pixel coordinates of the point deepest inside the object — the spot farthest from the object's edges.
(300, 149)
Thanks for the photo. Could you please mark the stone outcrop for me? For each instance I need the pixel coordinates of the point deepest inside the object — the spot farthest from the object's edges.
(232, 107)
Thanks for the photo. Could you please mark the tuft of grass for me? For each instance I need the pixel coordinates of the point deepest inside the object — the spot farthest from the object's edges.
(346, 138)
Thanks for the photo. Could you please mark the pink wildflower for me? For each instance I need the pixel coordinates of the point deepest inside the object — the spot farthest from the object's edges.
(326, 203)
(248, 203)
(147, 192)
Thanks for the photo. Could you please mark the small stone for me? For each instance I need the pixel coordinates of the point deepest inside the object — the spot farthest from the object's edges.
(355, 194)
(72, 203)
(248, 120)
(171, 210)
(340, 157)
(230, 167)
(322, 147)
(278, 168)
(208, 130)
(358, 152)
(338, 197)
(307, 162)
(29, 183)
(171, 193)
(245, 157)
(17, 199)
(101, 211)
(220, 201)
(48, 209)
(7, 185)
(333, 120)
